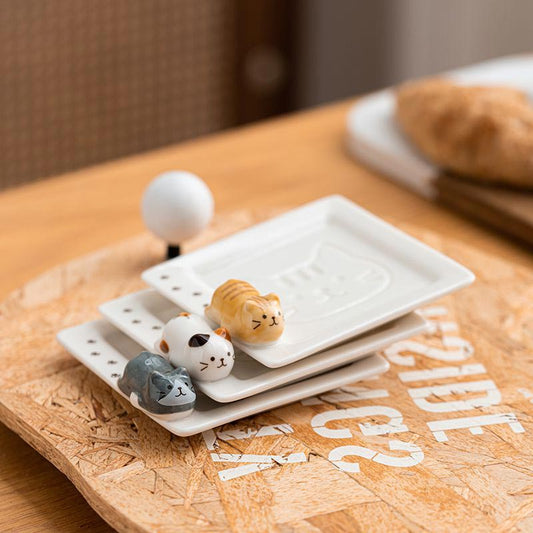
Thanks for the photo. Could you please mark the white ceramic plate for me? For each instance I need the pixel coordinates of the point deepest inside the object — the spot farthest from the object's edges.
(339, 271)
(105, 351)
(142, 315)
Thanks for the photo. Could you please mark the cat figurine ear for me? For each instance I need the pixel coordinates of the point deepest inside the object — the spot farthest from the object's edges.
(162, 346)
(159, 380)
(271, 297)
(224, 333)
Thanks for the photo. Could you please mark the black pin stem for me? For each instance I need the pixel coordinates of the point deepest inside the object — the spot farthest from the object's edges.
(173, 250)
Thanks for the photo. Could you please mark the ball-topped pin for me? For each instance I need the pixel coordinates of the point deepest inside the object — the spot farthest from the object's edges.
(176, 206)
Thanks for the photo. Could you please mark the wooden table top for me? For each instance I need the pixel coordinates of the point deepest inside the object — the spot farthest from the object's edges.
(282, 162)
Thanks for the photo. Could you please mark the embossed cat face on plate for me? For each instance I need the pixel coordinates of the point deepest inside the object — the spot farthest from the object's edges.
(330, 282)
(338, 270)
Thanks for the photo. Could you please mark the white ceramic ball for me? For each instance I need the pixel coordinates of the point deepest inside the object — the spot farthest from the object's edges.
(177, 205)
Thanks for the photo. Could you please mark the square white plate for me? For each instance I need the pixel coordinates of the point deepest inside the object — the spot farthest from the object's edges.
(142, 315)
(105, 351)
(338, 269)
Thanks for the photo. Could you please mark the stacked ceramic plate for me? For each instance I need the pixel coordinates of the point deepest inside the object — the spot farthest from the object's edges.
(348, 282)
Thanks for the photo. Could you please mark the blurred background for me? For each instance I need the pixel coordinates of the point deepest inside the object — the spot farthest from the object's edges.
(85, 81)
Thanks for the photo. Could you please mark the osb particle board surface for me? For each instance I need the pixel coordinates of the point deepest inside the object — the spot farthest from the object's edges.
(384, 465)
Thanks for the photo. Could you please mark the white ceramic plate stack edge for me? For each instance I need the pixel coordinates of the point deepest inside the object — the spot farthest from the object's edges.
(348, 283)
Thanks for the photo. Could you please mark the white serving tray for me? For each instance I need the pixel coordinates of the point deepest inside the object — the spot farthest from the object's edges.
(143, 314)
(374, 138)
(338, 269)
(105, 350)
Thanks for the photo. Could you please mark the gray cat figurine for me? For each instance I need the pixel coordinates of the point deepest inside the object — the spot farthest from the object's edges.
(152, 384)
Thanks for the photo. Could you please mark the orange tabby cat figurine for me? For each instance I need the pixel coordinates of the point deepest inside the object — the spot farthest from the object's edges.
(248, 316)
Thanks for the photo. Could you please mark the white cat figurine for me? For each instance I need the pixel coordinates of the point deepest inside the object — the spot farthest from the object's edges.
(188, 341)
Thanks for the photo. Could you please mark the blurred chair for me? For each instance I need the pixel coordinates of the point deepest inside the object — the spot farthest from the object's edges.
(84, 81)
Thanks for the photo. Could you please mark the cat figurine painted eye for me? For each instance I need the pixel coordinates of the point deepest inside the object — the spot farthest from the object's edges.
(153, 385)
(187, 340)
(252, 318)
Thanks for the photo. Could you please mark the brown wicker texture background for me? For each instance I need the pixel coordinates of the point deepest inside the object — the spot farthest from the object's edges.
(83, 81)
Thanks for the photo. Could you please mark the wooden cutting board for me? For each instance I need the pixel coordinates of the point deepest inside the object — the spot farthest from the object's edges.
(444, 439)
(507, 210)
